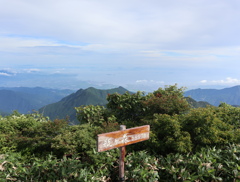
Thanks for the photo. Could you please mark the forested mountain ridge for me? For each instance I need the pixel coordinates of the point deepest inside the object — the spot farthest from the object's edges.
(25, 99)
(89, 96)
(59, 103)
(230, 95)
(196, 104)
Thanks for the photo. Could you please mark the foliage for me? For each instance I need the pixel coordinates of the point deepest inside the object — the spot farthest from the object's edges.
(38, 140)
(185, 145)
(229, 114)
(76, 140)
(91, 114)
(167, 135)
(29, 134)
(50, 169)
(127, 106)
(140, 166)
(94, 115)
(169, 100)
(134, 107)
(80, 140)
(207, 128)
(209, 164)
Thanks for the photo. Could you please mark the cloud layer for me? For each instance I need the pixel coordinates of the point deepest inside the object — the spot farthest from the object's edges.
(124, 41)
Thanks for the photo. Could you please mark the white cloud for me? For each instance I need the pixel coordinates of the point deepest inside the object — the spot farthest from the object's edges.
(149, 82)
(8, 43)
(203, 81)
(119, 25)
(5, 74)
(32, 70)
(228, 80)
(145, 85)
(166, 24)
(8, 72)
(142, 81)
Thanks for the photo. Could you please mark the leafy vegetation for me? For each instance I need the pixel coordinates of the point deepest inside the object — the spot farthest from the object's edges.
(186, 144)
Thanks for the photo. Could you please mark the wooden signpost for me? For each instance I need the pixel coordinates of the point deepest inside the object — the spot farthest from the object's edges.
(119, 139)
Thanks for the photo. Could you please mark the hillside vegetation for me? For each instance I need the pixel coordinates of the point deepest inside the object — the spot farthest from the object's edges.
(186, 144)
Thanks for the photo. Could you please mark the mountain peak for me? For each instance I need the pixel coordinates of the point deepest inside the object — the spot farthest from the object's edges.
(89, 96)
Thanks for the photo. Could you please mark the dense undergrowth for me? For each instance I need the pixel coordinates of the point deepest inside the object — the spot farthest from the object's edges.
(209, 164)
(185, 144)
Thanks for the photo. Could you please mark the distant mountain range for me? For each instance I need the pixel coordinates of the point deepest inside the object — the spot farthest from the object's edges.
(216, 96)
(89, 96)
(60, 103)
(24, 99)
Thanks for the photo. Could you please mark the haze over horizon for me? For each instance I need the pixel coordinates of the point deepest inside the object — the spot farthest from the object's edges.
(134, 44)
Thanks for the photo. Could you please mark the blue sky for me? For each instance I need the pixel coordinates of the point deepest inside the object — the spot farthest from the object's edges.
(137, 44)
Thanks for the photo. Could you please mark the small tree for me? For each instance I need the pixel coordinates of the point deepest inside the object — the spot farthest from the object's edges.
(166, 101)
(94, 115)
(167, 135)
(207, 128)
(134, 107)
(127, 107)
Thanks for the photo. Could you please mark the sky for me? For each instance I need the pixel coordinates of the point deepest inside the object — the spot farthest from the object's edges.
(137, 44)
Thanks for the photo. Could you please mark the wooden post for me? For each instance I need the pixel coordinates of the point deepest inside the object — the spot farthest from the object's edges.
(121, 159)
(119, 139)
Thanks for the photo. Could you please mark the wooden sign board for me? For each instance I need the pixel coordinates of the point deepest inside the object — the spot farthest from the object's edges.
(116, 139)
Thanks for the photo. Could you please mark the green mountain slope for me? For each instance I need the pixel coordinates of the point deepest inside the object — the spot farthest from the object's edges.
(195, 104)
(25, 99)
(90, 96)
(215, 97)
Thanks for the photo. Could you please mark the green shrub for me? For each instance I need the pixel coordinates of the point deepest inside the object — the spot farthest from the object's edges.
(208, 164)
(127, 106)
(94, 115)
(169, 100)
(81, 140)
(12, 127)
(49, 169)
(140, 166)
(207, 128)
(167, 135)
(229, 114)
(29, 134)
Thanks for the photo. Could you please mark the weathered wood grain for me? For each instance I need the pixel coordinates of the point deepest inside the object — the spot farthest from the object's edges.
(116, 139)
